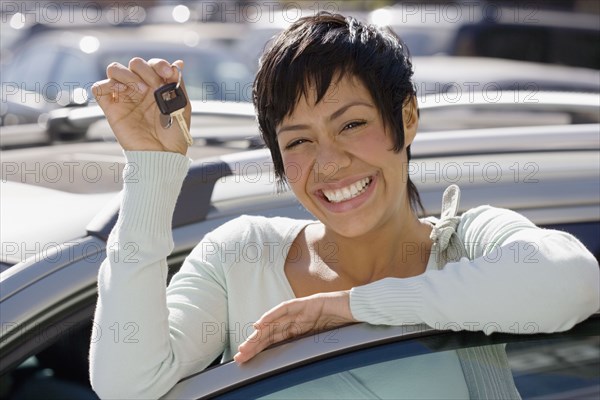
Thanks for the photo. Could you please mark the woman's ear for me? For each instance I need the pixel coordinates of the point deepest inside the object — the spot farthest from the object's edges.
(410, 119)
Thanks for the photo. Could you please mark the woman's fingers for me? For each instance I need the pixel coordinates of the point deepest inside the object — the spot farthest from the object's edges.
(262, 338)
(106, 87)
(167, 72)
(132, 88)
(120, 73)
(145, 72)
(138, 77)
(127, 99)
(273, 314)
(278, 324)
(110, 91)
(294, 318)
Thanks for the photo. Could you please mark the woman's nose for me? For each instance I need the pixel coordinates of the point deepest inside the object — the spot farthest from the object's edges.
(330, 158)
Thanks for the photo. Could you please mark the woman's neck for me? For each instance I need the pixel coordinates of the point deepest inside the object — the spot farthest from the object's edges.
(399, 249)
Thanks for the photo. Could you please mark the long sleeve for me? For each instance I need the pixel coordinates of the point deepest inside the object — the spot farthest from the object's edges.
(142, 346)
(519, 279)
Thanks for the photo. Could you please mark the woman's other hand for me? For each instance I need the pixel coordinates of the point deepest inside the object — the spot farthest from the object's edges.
(296, 317)
(127, 99)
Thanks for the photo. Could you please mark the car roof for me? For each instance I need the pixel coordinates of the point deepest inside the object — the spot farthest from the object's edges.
(530, 106)
(52, 212)
(73, 184)
(163, 33)
(485, 146)
(472, 74)
(143, 38)
(293, 353)
(453, 16)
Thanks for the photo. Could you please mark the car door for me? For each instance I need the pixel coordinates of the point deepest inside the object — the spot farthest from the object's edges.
(404, 363)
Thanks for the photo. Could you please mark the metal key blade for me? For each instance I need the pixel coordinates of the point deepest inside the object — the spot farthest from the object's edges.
(178, 116)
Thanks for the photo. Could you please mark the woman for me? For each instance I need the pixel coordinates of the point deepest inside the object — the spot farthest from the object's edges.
(337, 109)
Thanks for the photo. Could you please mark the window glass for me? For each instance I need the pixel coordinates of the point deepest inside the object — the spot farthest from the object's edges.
(208, 75)
(32, 68)
(77, 69)
(408, 378)
(565, 368)
(55, 354)
(553, 366)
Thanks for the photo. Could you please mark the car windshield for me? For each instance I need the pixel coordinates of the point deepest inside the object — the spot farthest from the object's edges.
(209, 75)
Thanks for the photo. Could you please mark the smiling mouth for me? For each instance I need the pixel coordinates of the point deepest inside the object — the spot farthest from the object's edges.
(348, 192)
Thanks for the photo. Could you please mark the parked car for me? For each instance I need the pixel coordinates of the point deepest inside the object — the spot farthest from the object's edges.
(80, 178)
(57, 68)
(405, 362)
(457, 77)
(459, 104)
(526, 32)
(77, 180)
(548, 173)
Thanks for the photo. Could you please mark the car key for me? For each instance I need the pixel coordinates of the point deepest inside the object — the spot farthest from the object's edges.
(171, 101)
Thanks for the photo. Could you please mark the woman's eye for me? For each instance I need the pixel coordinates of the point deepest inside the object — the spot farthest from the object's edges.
(354, 124)
(294, 143)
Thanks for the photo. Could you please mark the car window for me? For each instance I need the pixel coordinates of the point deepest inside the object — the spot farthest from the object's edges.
(587, 232)
(552, 45)
(549, 366)
(408, 378)
(36, 63)
(564, 368)
(579, 45)
(76, 70)
(208, 75)
(53, 354)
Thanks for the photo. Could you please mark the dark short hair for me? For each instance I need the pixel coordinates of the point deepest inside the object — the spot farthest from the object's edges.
(316, 49)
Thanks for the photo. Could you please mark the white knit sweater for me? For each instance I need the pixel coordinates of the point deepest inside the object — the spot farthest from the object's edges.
(521, 279)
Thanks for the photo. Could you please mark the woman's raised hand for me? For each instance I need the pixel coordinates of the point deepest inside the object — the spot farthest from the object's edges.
(127, 99)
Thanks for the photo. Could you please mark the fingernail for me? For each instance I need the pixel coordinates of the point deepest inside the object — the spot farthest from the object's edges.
(142, 87)
(167, 72)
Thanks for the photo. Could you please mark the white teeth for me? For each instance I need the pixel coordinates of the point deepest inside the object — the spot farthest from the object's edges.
(348, 192)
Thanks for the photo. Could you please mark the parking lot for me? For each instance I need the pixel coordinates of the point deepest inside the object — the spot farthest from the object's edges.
(509, 110)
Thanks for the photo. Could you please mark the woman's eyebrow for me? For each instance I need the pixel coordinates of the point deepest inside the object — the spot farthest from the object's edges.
(343, 109)
(298, 127)
(334, 115)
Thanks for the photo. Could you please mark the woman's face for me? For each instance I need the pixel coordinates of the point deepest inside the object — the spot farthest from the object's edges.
(338, 160)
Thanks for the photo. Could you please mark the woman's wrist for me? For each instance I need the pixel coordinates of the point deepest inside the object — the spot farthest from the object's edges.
(152, 181)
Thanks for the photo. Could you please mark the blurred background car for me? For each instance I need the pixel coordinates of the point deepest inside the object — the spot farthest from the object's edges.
(229, 36)
(475, 105)
(512, 30)
(450, 79)
(57, 68)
